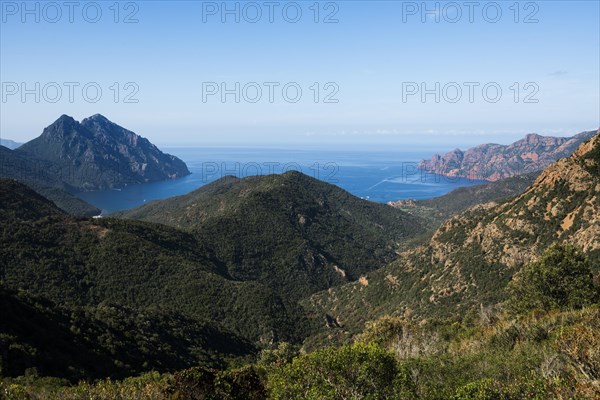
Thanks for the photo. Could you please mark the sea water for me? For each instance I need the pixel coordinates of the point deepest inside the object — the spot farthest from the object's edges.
(377, 176)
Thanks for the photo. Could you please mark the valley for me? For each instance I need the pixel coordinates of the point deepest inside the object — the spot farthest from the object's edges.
(231, 272)
(322, 200)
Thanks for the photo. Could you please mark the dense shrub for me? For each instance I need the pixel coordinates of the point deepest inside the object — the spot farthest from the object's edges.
(206, 384)
(580, 343)
(529, 387)
(151, 386)
(484, 389)
(403, 338)
(271, 360)
(348, 372)
(560, 279)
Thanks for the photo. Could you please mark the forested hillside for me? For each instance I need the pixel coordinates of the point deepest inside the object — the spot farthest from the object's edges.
(472, 257)
(501, 303)
(291, 232)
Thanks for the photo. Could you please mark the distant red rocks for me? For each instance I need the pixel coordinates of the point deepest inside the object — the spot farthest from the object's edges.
(493, 162)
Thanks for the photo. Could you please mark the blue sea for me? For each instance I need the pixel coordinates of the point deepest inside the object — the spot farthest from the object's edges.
(374, 176)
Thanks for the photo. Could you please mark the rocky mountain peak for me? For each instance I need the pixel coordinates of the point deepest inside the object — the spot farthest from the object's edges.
(98, 119)
(63, 126)
(104, 154)
(560, 206)
(533, 138)
(494, 162)
(473, 255)
(589, 146)
(100, 125)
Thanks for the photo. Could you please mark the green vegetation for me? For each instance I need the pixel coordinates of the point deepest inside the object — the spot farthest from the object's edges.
(18, 203)
(591, 160)
(248, 282)
(547, 355)
(523, 358)
(360, 371)
(243, 383)
(151, 386)
(38, 337)
(65, 200)
(293, 233)
(501, 304)
(561, 279)
(139, 265)
(439, 209)
(473, 256)
(44, 178)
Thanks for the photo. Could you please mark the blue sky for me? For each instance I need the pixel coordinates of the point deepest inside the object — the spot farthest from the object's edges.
(375, 53)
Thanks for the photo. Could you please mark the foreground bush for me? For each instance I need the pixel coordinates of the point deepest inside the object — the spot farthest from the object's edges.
(207, 384)
(580, 344)
(356, 372)
(151, 386)
(529, 387)
(560, 280)
(539, 356)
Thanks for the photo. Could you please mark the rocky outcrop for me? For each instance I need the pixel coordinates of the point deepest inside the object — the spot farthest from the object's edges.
(493, 162)
(99, 154)
(562, 205)
(471, 258)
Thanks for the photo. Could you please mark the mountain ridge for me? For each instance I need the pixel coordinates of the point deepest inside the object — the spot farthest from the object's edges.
(10, 144)
(277, 227)
(44, 178)
(471, 258)
(84, 262)
(246, 266)
(99, 154)
(439, 209)
(494, 162)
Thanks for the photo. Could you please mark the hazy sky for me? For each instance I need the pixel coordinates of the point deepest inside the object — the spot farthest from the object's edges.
(368, 62)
